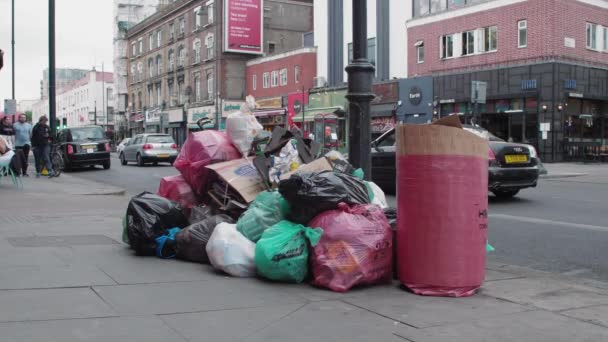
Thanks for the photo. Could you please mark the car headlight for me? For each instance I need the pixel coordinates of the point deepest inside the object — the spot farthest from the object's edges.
(533, 153)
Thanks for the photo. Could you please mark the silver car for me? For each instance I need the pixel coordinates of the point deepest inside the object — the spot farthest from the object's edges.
(149, 148)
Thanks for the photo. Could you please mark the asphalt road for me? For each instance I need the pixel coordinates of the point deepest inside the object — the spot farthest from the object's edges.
(560, 227)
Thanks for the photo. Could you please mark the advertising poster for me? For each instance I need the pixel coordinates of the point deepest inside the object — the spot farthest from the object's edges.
(243, 26)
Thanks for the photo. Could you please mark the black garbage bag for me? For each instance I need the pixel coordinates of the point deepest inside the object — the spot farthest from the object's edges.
(150, 216)
(197, 214)
(191, 242)
(310, 194)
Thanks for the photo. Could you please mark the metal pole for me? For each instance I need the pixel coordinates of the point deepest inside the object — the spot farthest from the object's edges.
(13, 44)
(103, 96)
(303, 113)
(360, 72)
(95, 115)
(52, 112)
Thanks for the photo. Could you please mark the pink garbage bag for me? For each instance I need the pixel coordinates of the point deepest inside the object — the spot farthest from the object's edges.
(202, 149)
(176, 188)
(355, 249)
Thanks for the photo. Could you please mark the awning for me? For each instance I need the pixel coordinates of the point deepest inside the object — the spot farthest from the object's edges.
(383, 110)
(270, 112)
(310, 114)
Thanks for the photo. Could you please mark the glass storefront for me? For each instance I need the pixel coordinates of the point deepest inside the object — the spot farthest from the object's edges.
(586, 121)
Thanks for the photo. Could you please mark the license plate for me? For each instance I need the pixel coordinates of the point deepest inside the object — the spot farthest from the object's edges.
(514, 159)
(90, 150)
(163, 155)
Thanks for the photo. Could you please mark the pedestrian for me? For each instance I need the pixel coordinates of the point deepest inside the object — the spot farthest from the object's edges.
(1, 59)
(23, 135)
(7, 132)
(10, 158)
(41, 141)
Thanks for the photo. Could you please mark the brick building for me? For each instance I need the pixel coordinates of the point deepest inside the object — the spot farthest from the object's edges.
(544, 62)
(179, 70)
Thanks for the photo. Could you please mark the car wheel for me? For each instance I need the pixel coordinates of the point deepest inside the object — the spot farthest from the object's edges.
(505, 194)
(140, 161)
(123, 161)
(106, 164)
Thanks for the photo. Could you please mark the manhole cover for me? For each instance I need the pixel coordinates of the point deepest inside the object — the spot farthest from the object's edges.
(60, 241)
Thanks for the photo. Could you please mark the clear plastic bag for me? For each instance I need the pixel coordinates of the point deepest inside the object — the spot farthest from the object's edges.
(231, 252)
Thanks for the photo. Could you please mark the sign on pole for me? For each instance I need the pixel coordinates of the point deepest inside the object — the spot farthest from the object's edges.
(244, 26)
(10, 107)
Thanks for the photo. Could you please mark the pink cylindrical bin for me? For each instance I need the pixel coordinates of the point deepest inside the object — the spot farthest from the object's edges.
(442, 182)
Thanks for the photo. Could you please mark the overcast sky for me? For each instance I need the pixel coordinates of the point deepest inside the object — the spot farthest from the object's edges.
(83, 39)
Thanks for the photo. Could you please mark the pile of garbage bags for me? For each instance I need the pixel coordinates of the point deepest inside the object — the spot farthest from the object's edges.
(279, 211)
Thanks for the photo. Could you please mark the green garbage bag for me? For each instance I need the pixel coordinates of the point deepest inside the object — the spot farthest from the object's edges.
(268, 209)
(282, 252)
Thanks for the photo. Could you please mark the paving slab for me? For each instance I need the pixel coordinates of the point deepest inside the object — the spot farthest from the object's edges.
(421, 311)
(544, 293)
(531, 326)
(220, 293)
(122, 329)
(593, 314)
(38, 277)
(30, 305)
(318, 321)
(11, 256)
(492, 275)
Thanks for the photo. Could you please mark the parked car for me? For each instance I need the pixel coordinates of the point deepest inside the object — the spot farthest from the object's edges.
(83, 146)
(512, 166)
(122, 145)
(149, 148)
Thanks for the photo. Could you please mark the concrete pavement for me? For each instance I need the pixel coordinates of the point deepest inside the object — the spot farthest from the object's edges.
(65, 276)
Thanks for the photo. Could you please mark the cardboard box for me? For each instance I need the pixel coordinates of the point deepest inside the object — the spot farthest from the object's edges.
(318, 165)
(242, 176)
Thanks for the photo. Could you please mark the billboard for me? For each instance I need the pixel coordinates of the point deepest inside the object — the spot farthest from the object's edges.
(244, 26)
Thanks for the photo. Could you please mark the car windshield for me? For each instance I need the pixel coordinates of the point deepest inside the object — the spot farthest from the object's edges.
(159, 139)
(87, 134)
(387, 140)
(480, 132)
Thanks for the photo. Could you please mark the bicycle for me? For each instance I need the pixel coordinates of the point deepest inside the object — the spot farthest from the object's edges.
(57, 160)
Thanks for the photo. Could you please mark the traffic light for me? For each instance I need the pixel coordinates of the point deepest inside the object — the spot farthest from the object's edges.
(65, 123)
(57, 123)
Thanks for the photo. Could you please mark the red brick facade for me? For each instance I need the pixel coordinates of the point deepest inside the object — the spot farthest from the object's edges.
(302, 61)
(549, 22)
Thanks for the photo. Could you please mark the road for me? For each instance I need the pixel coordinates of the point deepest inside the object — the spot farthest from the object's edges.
(560, 227)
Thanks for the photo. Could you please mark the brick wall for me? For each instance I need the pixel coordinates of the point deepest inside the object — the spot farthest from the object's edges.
(307, 62)
(549, 22)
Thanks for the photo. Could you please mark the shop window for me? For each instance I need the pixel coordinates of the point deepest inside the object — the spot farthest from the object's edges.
(522, 35)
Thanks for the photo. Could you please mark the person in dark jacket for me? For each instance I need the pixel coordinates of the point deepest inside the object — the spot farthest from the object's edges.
(41, 142)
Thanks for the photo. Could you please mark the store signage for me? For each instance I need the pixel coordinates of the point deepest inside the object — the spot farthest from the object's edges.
(528, 84)
(447, 101)
(295, 101)
(195, 114)
(275, 102)
(134, 117)
(244, 26)
(153, 115)
(577, 95)
(381, 125)
(415, 95)
(230, 107)
(570, 84)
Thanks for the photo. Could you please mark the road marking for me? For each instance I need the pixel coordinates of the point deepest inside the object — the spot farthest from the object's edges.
(549, 222)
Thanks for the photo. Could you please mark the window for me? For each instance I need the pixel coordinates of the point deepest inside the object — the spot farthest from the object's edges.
(150, 97)
(197, 50)
(151, 42)
(210, 86)
(468, 43)
(181, 55)
(371, 51)
(209, 42)
(150, 67)
(592, 36)
(266, 80)
(140, 70)
(489, 39)
(171, 93)
(159, 65)
(420, 51)
(159, 96)
(182, 26)
(133, 73)
(197, 18)
(133, 50)
(141, 46)
(522, 37)
(254, 81)
(275, 79)
(171, 31)
(197, 88)
(210, 13)
(159, 38)
(296, 75)
(180, 92)
(271, 48)
(606, 39)
(283, 77)
(447, 46)
(171, 60)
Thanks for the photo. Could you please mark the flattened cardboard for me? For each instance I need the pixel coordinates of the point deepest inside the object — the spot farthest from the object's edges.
(242, 176)
(443, 137)
(318, 165)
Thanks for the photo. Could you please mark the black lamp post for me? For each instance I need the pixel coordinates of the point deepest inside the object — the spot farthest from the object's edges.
(360, 72)
(52, 112)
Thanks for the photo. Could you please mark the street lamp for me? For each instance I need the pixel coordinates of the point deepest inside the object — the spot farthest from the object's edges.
(360, 72)
(52, 84)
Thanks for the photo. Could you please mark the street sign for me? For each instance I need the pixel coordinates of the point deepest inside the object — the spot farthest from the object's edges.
(10, 107)
(478, 91)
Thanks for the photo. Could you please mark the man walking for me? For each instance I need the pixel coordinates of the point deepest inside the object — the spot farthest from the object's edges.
(23, 133)
(41, 141)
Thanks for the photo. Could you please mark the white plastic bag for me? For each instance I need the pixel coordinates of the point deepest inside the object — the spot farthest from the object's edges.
(242, 127)
(287, 161)
(231, 252)
(379, 196)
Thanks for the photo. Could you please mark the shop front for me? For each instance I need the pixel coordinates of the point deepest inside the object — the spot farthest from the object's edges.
(197, 114)
(325, 118)
(173, 123)
(136, 123)
(383, 107)
(229, 107)
(270, 113)
(416, 99)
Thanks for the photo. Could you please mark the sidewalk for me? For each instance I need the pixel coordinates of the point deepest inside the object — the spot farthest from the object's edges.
(65, 276)
(577, 171)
